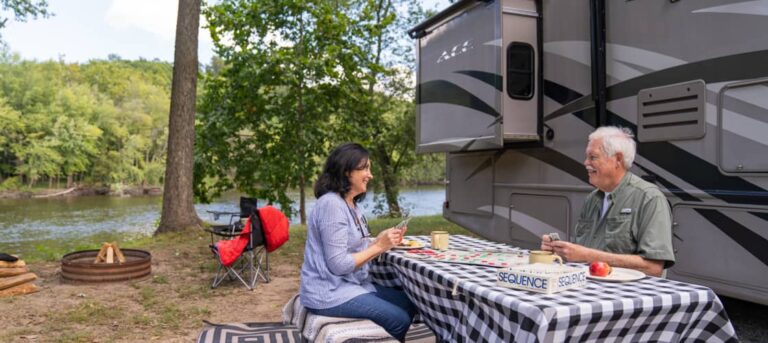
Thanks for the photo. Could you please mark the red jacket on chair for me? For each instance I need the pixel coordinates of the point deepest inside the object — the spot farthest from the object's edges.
(275, 226)
(230, 250)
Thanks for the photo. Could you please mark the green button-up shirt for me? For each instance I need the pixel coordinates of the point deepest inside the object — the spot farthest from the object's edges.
(638, 221)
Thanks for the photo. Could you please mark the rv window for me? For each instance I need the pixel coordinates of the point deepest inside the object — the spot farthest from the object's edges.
(520, 71)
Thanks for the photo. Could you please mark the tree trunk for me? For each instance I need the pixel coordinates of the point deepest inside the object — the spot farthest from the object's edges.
(70, 180)
(300, 115)
(390, 180)
(302, 200)
(178, 203)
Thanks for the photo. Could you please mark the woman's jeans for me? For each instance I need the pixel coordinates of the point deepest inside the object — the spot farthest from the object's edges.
(388, 307)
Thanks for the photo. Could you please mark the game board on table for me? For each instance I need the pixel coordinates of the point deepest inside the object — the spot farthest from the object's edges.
(483, 258)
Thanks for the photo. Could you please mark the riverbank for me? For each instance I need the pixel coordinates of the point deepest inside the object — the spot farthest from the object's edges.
(170, 305)
(80, 191)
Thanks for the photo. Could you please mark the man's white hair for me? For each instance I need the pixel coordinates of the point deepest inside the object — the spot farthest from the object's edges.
(616, 139)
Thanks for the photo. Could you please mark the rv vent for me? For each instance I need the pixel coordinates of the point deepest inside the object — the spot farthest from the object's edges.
(674, 112)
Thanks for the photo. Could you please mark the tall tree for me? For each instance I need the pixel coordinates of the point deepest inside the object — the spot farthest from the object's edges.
(178, 201)
(386, 67)
(265, 115)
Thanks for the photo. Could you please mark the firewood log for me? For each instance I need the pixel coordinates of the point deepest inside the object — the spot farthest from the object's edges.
(24, 288)
(6, 272)
(17, 264)
(118, 253)
(102, 255)
(9, 282)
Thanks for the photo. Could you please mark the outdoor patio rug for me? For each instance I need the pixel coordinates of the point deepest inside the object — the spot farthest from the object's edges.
(279, 332)
(249, 332)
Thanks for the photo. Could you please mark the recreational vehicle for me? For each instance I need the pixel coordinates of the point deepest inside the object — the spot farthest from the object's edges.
(510, 90)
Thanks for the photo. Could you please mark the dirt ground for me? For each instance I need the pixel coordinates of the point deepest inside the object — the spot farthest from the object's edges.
(167, 307)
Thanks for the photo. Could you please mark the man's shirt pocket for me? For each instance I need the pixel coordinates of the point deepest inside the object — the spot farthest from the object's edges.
(618, 234)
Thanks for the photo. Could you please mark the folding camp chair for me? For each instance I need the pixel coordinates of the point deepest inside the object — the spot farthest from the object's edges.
(253, 262)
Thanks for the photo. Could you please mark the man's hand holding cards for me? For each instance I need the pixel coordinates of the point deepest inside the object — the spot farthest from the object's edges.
(546, 241)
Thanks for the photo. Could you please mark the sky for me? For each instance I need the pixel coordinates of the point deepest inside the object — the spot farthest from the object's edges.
(81, 30)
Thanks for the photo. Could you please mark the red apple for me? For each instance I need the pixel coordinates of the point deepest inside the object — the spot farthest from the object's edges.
(598, 268)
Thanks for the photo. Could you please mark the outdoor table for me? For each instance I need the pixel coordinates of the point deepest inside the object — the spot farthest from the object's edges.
(462, 303)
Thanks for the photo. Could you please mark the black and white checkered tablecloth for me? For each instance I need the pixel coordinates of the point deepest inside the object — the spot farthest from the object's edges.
(462, 303)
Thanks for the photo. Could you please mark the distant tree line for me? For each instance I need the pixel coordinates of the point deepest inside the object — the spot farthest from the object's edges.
(101, 122)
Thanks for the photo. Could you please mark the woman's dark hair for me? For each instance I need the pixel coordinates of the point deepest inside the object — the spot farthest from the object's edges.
(343, 159)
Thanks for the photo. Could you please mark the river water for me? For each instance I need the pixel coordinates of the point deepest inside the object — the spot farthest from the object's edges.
(26, 223)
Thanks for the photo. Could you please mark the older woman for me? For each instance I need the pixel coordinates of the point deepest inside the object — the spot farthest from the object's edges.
(334, 277)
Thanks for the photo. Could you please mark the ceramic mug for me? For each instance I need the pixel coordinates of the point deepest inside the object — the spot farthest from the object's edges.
(439, 240)
(543, 256)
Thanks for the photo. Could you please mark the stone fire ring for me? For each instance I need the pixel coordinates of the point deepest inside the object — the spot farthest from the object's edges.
(78, 267)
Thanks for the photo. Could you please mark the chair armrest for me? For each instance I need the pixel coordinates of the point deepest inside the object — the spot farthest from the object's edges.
(217, 214)
(223, 231)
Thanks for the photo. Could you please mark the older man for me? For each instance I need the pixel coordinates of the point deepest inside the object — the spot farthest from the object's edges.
(626, 221)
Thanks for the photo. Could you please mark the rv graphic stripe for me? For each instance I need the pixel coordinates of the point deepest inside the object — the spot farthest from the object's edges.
(492, 79)
(701, 173)
(440, 91)
(728, 68)
(745, 237)
(750, 240)
(564, 95)
(559, 161)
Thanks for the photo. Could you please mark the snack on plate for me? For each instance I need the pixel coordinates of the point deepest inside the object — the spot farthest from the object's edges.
(409, 243)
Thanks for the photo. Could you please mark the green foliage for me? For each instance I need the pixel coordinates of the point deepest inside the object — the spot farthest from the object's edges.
(297, 78)
(11, 183)
(101, 122)
(381, 114)
(264, 118)
(428, 168)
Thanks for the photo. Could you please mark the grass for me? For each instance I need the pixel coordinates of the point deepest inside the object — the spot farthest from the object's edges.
(292, 252)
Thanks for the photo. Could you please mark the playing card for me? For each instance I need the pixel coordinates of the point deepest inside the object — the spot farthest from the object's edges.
(403, 223)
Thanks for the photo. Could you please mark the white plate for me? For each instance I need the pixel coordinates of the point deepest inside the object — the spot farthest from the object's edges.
(408, 247)
(619, 275)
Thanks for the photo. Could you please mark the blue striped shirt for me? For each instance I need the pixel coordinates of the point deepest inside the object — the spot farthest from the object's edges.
(328, 275)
